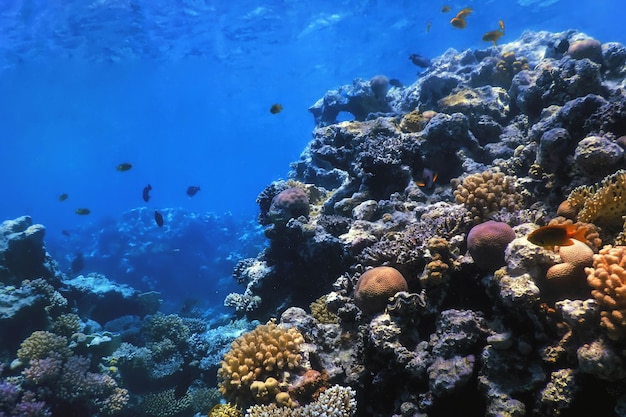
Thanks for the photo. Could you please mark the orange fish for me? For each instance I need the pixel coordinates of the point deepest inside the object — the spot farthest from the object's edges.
(501, 24)
(557, 235)
(493, 36)
(458, 23)
(464, 13)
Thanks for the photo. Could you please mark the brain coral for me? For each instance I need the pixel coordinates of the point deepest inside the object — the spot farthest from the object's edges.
(603, 203)
(486, 243)
(486, 193)
(608, 280)
(268, 351)
(375, 286)
(289, 204)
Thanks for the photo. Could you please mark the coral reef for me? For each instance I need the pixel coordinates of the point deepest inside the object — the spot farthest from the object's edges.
(376, 286)
(486, 242)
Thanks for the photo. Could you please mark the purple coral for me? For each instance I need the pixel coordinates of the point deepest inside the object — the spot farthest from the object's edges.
(486, 243)
(289, 204)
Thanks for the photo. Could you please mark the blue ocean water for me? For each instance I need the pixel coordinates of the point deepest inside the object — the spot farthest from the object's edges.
(182, 91)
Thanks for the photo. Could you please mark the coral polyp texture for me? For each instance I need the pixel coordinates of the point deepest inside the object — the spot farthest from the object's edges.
(607, 277)
(258, 363)
(487, 193)
(602, 204)
(376, 286)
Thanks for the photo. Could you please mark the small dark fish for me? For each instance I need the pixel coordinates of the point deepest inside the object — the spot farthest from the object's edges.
(428, 25)
(82, 211)
(419, 60)
(192, 190)
(125, 166)
(561, 46)
(78, 263)
(394, 82)
(65, 233)
(63, 197)
(276, 108)
(445, 9)
(158, 218)
(146, 192)
(428, 178)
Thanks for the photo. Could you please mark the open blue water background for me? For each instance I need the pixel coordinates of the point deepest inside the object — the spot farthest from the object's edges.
(182, 89)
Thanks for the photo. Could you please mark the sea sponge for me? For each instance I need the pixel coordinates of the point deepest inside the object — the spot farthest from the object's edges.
(486, 242)
(607, 277)
(289, 204)
(486, 193)
(603, 203)
(41, 344)
(375, 286)
(268, 351)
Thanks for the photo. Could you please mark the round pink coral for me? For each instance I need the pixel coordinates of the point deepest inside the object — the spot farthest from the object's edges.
(486, 243)
(289, 204)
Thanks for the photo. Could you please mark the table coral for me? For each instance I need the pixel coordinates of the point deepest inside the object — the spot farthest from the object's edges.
(607, 277)
(603, 203)
(267, 351)
(375, 286)
(487, 193)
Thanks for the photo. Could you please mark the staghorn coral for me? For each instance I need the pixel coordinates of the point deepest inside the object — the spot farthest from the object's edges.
(487, 193)
(267, 351)
(336, 401)
(603, 203)
(165, 404)
(375, 286)
(607, 277)
(40, 344)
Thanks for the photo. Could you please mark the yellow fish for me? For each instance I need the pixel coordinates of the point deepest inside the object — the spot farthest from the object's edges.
(557, 235)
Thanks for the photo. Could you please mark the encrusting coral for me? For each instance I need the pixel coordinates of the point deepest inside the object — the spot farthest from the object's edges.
(607, 277)
(255, 360)
(487, 193)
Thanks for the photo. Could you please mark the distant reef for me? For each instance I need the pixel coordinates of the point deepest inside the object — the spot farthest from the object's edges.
(456, 249)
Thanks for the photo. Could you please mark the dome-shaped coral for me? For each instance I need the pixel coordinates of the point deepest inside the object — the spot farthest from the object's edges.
(289, 204)
(375, 286)
(486, 243)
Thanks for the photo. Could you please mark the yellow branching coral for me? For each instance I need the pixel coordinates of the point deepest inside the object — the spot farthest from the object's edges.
(41, 344)
(608, 280)
(336, 401)
(269, 351)
(486, 193)
(602, 204)
(225, 410)
(321, 313)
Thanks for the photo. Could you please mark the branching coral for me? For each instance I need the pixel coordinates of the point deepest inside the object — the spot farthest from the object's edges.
(487, 193)
(337, 401)
(41, 344)
(321, 313)
(165, 404)
(608, 280)
(602, 204)
(268, 351)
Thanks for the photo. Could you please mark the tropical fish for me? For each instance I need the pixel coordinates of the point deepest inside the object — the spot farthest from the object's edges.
(63, 197)
(445, 9)
(419, 60)
(493, 36)
(428, 178)
(78, 263)
(82, 211)
(501, 24)
(192, 190)
(428, 25)
(458, 21)
(557, 235)
(158, 218)
(124, 166)
(146, 192)
(561, 46)
(276, 108)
